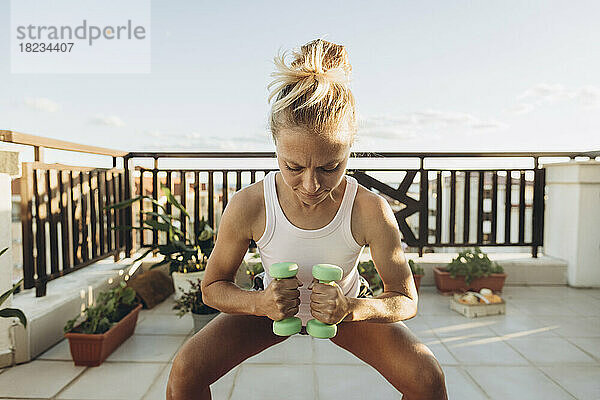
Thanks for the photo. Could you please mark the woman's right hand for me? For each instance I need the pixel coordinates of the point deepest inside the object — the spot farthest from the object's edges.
(281, 299)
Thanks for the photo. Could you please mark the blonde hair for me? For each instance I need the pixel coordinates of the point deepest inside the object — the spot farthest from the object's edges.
(313, 93)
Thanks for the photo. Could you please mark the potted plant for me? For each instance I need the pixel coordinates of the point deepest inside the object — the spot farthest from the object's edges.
(470, 270)
(369, 272)
(106, 325)
(417, 272)
(191, 301)
(186, 258)
(11, 312)
(253, 267)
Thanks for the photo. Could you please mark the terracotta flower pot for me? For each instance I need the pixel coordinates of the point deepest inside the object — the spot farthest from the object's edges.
(91, 349)
(417, 279)
(446, 284)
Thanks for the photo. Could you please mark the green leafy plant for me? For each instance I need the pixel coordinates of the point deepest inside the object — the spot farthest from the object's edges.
(191, 300)
(473, 264)
(369, 272)
(182, 254)
(111, 306)
(253, 269)
(415, 269)
(11, 312)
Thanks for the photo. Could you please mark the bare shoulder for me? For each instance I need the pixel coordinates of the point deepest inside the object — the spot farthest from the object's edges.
(250, 204)
(371, 212)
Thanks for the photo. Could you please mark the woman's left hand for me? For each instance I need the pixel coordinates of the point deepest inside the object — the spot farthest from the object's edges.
(327, 303)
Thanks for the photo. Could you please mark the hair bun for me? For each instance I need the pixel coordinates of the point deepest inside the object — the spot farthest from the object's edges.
(313, 92)
(318, 63)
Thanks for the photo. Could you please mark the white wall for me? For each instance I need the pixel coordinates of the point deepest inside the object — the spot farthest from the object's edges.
(572, 219)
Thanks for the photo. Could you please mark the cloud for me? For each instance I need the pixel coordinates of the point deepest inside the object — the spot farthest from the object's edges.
(41, 104)
(545, 93)
(197, 141)
(413, 124)
(107, 120)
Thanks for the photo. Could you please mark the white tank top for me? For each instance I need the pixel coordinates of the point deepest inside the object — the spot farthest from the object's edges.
(332, 244)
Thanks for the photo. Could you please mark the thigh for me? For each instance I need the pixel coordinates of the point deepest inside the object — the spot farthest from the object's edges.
(394, 351)
(223, 343)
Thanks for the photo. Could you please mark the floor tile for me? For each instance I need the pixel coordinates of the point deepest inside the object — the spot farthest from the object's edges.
(351, 382)
(459, 326)
(516, 383)
(274, 382)
(581, 381)
(221, 389)
(50, 378)
(548, 350)
(147, 348)
(161, 324)
(165, 307)
(294, 350)
(111, 381)
(485, 351)
(441, 352)
(60, 351)
(544, 307)
(419, 327)
(589, 345)
(520, 326)
(546, 345)
(460, 385)
(573, 326)
(327, 352)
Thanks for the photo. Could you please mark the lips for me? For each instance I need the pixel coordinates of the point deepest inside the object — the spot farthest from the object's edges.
(312, 195)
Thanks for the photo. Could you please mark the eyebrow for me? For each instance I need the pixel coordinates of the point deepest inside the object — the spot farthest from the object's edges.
(324, 165)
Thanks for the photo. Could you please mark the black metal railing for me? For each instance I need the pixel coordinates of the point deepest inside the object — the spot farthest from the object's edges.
(66, 227)
(467, 220)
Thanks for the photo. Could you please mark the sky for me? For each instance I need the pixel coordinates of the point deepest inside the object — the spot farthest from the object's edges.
(427, 76)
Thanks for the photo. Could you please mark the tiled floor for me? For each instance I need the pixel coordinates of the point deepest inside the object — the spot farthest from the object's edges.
(547, 346)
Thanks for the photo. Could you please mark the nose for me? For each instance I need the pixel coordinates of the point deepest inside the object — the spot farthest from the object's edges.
(310, 183)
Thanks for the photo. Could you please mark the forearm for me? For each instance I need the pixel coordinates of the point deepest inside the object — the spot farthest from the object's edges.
(229, 298)
(386, 307)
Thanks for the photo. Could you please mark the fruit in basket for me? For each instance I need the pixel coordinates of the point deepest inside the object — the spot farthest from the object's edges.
(468, 298)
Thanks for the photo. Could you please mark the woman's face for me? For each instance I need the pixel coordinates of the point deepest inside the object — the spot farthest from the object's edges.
(311, 166)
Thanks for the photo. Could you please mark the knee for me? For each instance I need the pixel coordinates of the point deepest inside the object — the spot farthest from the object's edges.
(431, 380)
(186, 377)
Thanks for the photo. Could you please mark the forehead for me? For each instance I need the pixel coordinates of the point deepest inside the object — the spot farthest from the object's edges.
(304, 149)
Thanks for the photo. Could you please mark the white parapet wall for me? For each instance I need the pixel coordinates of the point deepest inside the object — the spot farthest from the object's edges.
(572, 219)
(9, 166)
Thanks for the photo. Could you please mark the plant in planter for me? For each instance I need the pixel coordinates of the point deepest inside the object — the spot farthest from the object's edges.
(470, 270)
(186, 258)
(11, 312)
(105, 326)
(417, 271)
(191, 301)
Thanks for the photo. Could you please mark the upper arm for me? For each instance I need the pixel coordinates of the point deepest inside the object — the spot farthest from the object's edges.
(384, 240)
(233, 238)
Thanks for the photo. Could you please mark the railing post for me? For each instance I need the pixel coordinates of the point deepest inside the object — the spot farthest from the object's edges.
(128, 210)
(26, 190)
(424, 212)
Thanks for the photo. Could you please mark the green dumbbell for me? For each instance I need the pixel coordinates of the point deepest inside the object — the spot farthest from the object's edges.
(287, 326)
(327, 274)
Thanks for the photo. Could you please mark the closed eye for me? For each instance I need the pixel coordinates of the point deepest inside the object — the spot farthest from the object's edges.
(323, 169)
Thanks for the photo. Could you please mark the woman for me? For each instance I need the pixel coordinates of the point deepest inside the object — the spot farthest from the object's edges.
(309, 212)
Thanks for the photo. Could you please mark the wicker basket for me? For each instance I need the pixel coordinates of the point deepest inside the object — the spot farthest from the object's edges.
(477, 310)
